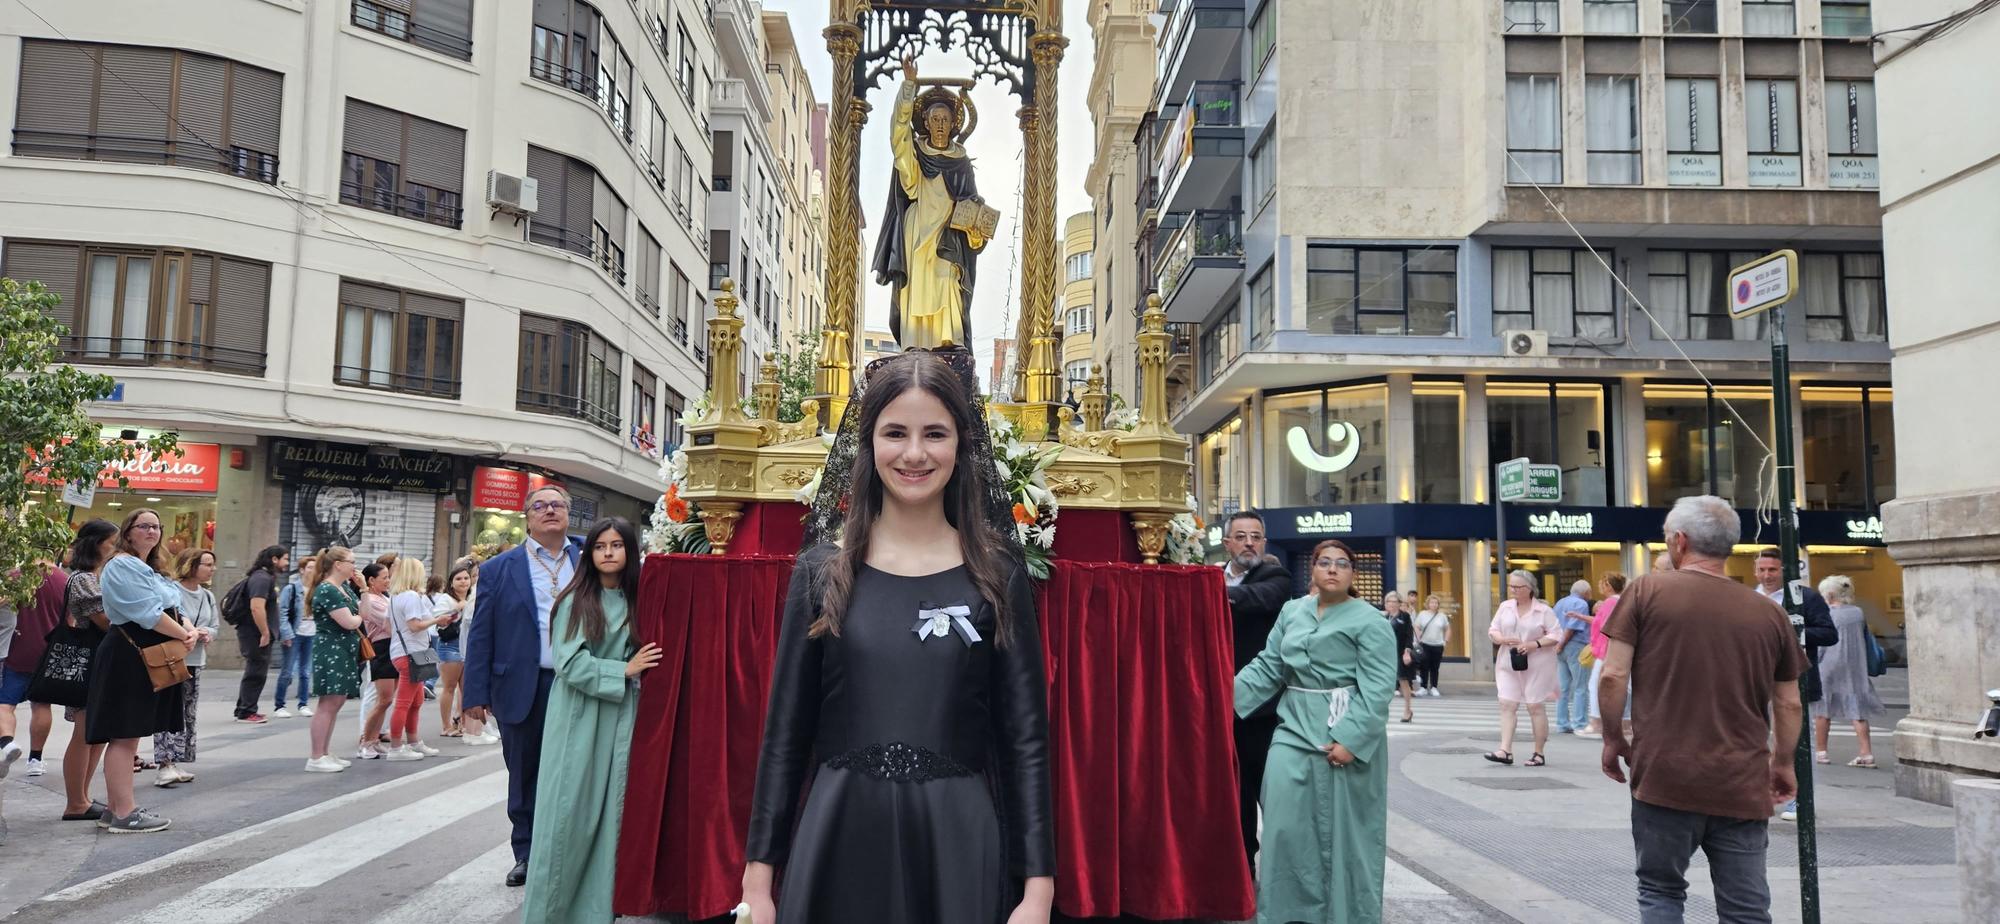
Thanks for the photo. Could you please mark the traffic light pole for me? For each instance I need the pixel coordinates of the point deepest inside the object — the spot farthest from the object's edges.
(1788, 546)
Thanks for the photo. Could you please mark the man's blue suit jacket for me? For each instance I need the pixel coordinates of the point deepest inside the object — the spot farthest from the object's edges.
(503, 646)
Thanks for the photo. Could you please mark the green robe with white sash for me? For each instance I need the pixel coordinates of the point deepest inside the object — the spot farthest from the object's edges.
(1325, 837)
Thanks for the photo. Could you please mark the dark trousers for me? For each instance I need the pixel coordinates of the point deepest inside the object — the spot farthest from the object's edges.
(521, 747)
(256, 667)
(1432, 656)
(1253, 745)
(1665, 840)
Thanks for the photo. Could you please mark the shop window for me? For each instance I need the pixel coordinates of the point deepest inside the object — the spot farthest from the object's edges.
(1437, 409)
(1382, 290)
(1219, 468)
(1843, 295)
(1690, 297)
(1847, 447)
(1326, 447)
(1565, 292)
(1706, 441)
(1563, 423)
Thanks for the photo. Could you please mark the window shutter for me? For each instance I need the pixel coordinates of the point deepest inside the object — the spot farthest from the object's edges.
(553, 14)
(242, 305)
(54, 265)
(607, 210)
(256, 102)
(580, 186)
(649, 267)
(132, 104)
(372, 131)
(369, 296)
(540, 325)
(436, 155)
(432, 306)
(449, 17)
(198, 110)
(58, 82)
(551, 172)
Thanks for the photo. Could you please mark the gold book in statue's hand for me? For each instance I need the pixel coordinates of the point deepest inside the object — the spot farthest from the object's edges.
(975, 217)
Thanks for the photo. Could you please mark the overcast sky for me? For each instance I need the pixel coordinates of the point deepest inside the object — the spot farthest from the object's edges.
(995, 149)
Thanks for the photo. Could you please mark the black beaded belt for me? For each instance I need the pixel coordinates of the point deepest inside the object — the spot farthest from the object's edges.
(899, 762)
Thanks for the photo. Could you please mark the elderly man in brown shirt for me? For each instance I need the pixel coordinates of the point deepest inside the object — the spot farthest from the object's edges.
(1714, 669)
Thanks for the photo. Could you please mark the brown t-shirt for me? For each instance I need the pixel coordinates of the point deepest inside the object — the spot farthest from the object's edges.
(1707, 652)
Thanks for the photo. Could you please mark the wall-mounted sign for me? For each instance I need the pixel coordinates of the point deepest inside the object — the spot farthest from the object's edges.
(1694, 170)
(505, 488)
(1776, 170)
(1324, 523)
(1763, 283)
(189, 467)
(359, 466)
(1865, 530)
(1852, 171)
(1343, 436)
(1555, 523)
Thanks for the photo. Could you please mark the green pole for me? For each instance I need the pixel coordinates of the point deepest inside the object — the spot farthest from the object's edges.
(1788, 547)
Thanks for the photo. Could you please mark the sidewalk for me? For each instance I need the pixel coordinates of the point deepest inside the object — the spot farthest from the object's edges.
(1553, 844)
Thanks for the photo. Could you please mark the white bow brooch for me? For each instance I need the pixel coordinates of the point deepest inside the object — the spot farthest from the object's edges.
(936, 622)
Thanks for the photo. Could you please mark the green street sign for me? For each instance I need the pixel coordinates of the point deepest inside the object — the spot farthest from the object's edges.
(1511, 479)
(1545, 484)
(1522, 481)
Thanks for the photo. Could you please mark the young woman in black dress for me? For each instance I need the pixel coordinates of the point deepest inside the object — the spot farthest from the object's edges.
(908, 674)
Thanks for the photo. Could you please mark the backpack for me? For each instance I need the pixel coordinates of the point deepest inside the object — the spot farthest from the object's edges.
(236, 603)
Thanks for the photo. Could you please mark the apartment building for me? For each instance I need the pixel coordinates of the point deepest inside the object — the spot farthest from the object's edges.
(802, 232)
(1120, 96)
(1078, 308)
(746, 205)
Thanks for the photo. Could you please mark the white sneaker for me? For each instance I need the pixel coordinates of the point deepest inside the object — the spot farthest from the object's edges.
(327, 764)
(185, 776)
(306, 711)
(281, 713)
(481, 740)
(367, 752)
(35, 767)
(166, 777)
(344, 762)
(427, 750)
(8, 755)
(1434, 692)
(404, 753)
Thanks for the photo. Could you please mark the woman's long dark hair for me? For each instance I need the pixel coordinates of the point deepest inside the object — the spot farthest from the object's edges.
(986, 555)
(586, 608)
(267, 560)
(152, 558)
(83, 552)
(468, 563)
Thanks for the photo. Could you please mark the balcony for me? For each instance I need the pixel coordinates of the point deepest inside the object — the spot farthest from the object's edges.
(1203, 40)
(736, 27)
(1201, 262)
(750, 99)
(1201, 150)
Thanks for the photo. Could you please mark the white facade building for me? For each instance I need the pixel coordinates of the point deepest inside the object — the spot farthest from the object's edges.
(744, 218)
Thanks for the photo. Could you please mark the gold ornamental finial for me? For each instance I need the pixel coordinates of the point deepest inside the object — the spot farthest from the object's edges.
(767, 390)
(1155, 346)
(725, 346)
(1093, 402)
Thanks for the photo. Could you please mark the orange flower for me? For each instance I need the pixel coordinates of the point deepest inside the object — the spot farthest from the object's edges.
(677, 510)
(1022, 516)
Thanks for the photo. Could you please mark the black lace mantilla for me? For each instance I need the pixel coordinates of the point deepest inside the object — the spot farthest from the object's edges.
(899, 763)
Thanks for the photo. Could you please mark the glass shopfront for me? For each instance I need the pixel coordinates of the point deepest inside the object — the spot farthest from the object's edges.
(1847, 447)
(1326, 446)
(499, 502)
(1218, 471)
(1696, 444)
(181, 486)
(1564, 423)
(1437, 411)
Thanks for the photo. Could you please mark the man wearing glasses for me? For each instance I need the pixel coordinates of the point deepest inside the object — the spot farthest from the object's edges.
(509, 665)
(1258, 588)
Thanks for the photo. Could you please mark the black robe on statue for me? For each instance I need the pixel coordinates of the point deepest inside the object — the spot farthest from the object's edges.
(892, 264)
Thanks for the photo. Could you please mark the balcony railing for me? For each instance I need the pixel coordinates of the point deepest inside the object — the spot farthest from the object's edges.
(1209, 104)
(137, 351)
(562, 405)
(1184, 334)
(139, 149)
(442, 210)
(610, 258)
(1199, 234)
(680, 330)
(396, 24)
(391, 380)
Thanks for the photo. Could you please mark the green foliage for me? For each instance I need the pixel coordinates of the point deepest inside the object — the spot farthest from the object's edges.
(46, 437)
(797, 369)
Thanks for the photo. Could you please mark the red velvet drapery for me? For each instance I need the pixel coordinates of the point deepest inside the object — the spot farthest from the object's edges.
(1139, 699)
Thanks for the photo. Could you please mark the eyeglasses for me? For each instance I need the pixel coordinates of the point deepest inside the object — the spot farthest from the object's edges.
(1334, 564)
(148, 527)
(1519, 587)
(1247, 537)
(545, 506)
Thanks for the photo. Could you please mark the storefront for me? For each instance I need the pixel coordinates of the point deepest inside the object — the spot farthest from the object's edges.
(181, 486)
(499, 501)
(371, 499)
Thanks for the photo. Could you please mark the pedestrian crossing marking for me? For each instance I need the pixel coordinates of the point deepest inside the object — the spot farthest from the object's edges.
(466, 894)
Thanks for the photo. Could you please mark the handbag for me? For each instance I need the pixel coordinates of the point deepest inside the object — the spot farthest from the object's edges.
(1519, 661)
(1585, 657)
(1878, 660)
(62, 677)
(423, 661)
(166, 662)
(367, 648)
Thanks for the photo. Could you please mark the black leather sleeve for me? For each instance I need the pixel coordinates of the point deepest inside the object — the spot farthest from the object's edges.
(790, 723)
(1021, 736)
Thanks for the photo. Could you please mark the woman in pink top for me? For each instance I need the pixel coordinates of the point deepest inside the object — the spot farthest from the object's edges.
(1528, 626)
(1609, 586)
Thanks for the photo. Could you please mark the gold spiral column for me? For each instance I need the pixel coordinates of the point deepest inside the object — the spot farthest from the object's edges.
(1040, 379)
(833, 383)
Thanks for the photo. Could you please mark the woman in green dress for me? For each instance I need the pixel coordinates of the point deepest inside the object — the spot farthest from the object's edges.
(336, 655)
(580, 792)
(1331, 662)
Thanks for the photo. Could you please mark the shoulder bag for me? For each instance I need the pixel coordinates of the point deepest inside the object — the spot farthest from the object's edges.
(423, 661)
(166, 662)
(62, 677)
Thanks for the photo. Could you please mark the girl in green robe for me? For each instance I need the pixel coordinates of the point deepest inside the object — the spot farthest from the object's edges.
(580, 793)
(1331, 661)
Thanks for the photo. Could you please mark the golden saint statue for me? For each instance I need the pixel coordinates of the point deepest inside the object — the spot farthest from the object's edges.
(935, 224)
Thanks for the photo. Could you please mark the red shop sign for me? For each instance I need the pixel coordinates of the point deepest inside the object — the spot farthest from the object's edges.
(188, 467)
(505, 488)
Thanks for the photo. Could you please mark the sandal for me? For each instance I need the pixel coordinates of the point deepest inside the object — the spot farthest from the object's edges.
(1500, 757)
(1819, 757)
(1865, 762)
(140, 765)
(1536, 761)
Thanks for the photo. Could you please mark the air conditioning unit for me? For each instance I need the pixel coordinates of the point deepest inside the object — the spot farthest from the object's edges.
(1527, 343)
(514, 195)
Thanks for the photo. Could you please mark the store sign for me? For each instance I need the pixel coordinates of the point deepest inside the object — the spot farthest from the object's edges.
(1865, 530)
(1322, 523)
(80, 494)
(188, 467)
(506, 488)
(1561, 524)
(1694, 170)
(1776, 170)
(1339, 434)
(1852, 172)
(359, 466)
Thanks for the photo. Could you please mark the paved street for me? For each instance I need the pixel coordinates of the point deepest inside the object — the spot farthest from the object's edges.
(254, 839)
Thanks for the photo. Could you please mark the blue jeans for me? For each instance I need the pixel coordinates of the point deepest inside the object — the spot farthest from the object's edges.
(296, 661)
(1574, 700)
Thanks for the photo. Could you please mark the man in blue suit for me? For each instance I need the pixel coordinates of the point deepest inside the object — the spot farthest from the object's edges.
(508, 663)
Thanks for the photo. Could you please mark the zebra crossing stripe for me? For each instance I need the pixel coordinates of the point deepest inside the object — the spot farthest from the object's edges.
(469, 893)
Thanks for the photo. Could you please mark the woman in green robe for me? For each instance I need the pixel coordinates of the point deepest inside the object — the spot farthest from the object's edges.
(1330, 660)
(580, 793)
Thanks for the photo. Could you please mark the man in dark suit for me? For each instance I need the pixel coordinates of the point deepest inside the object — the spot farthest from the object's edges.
(1815, 632)
(1258, 587)
(509, 666)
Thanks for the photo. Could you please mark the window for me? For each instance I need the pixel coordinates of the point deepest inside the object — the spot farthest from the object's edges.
(1263, 35)
(1219, 463)
(1530, 16)
(563, 48)
(1565, 292)
(687, 63)
(647, 288)
(1561, 423)
(1689, 298)
(656, 142)
(684, 185)
(679, 306)
(1771, 131)
(403, 165)
(645, 435)
(614, 85)
(150, 306)
(1694, 140)
(1220, 345)
(1611, 129)
(1077, 375)
(1325, 447)
(1695, 17)
(1381, 290)
(398, 340)
(1263, 170)
(567, 190)
(1769, 17)
(1077, 321)
(607, 230)
(1696, 445)
(1844, 296)
(1263, 305)
(1617, 16)
(1850, 134)
(134, 104)
(676, 408)
(1534, 128)
(443, 26)
(1843, 19)
(1079, 266)
(1438, 426)
(569, 371)
(1847, 447)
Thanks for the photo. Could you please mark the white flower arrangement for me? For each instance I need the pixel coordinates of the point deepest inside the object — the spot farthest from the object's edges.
(1023, 472)
(1184, 539)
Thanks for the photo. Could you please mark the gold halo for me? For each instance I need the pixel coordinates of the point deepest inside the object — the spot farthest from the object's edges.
(965, 116)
